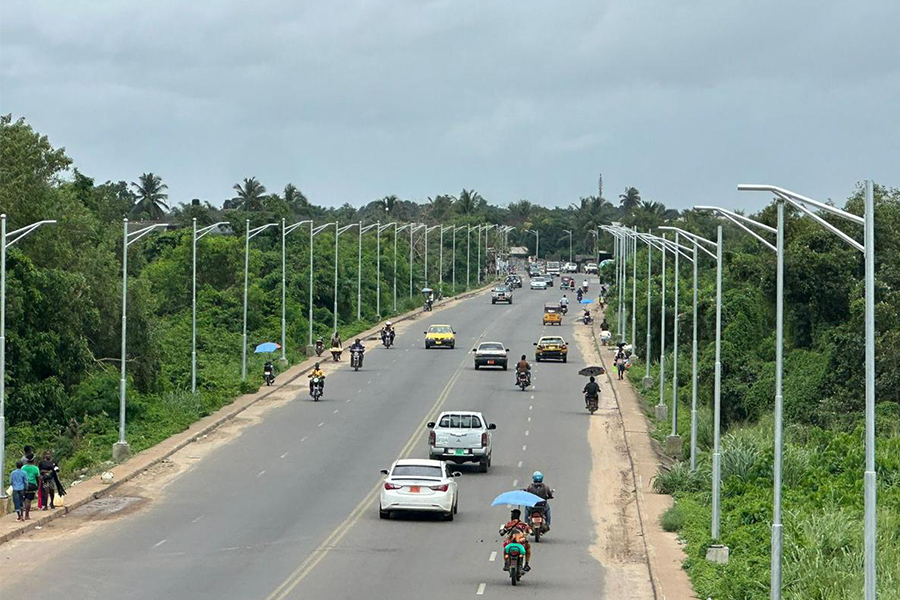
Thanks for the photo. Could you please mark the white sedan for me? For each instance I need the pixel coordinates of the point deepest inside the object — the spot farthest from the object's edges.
(419, 485)
(538, 283)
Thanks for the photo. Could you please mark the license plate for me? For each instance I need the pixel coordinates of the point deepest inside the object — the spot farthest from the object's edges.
(536, 520)
(490, 362)
(414, 489)
(437, 342)
(460, 452)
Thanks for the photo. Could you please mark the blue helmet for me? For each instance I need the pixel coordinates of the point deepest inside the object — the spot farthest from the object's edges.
(538, 477)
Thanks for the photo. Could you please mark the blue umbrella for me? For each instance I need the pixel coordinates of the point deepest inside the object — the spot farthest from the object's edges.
(267, 347)
(518, 498)
(586, 301)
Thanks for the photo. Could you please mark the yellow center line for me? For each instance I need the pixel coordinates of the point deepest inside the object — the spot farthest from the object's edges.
(311, 561)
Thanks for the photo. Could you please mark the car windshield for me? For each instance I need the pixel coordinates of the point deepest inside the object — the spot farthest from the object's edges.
(552, 340)
(491, 346)
(440, 329)
(430, 471)
(501, 289)
(460, 422)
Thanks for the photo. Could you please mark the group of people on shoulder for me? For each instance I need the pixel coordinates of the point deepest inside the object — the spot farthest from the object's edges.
(35, 478)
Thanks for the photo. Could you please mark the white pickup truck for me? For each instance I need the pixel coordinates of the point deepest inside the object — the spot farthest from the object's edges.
(553, 268)
(461, 436)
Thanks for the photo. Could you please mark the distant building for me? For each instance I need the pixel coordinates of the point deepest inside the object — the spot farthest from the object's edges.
(518, 251)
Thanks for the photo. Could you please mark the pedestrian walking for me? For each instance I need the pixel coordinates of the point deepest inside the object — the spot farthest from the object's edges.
(18, 481)
(621, 364)
(32, 475)
(50, 483)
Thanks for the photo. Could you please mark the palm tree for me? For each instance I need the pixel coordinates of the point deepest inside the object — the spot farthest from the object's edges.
(589, 214)
(439, 206)
(630, 200)
(651, 214)
(151, 199)
(250, 195)
(469, 202)
(388, 203)
(520, 211)
(295, 198)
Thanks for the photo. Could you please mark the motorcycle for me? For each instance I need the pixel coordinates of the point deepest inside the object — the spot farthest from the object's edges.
(320, 347)
(579, 296)
(318, 387)
(564, 309)
(586, 318)
(269, 375)
(387, 339)
(514, 561)
(522, 380)
(537, 520)
(356, 359)
(428, 305)
(593, 404)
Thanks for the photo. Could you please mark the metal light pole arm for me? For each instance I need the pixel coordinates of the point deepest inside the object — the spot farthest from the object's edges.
(204, 230)
(18, 234)
(257, 230)
(736, 219)
(789, 195)
(826, 225)
(347, 227)
(322, 228)
(291, 228)
(388, 226)
(136, 235)
(693, 237)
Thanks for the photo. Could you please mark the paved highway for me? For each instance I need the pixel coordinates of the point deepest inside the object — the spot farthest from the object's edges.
(288, 509)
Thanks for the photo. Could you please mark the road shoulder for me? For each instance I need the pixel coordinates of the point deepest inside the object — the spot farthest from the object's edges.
(642, 560)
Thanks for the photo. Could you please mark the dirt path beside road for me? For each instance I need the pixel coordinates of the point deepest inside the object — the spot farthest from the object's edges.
(641, 560)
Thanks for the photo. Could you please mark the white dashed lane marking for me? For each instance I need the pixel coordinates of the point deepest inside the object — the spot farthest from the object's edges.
(335, 411)
(515, 482)
(322, 423)
(480, 591)
(260, 474)
(526, 433)
(520, 464)
(524, 448)
(493, 556)
(303, 439)
(197, 519)
(159, 543)
(283, 455)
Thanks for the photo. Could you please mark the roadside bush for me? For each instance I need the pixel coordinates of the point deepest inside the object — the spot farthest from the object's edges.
(673, 519)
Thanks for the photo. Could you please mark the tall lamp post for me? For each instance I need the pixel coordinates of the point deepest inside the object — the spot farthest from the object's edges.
(313, 232)
(806, 206)
(487, 228)
(537, 242)
(427, 229)
(285, 230)
(338, 230)
(569, 233)
(362, 230)
(121, 448)
(740, 221)
(697, 240)
(7, 240)
(453, 269)
(398, 229)
(197, 234)
(378, 266)
(250, 234)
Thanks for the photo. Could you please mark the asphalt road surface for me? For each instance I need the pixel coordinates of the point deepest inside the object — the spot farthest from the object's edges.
(288, 509)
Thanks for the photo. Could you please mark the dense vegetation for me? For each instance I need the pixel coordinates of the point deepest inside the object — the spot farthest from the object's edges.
(823, 400)
(64, 289)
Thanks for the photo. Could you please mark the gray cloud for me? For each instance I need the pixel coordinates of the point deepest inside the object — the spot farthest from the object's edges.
(354, 99)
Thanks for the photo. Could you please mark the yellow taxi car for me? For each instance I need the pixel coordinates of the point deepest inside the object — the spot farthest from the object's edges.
(551, 346)
(440, 336)
(552, 314)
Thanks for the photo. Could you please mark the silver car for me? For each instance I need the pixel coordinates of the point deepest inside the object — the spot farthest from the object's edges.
(461, 436)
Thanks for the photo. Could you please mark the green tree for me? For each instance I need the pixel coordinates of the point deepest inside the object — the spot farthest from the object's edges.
(630, 200)
(150, 201)
(295, 199)
(249, 196)
(469, 202)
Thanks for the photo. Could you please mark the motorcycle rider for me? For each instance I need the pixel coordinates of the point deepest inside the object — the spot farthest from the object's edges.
(523, 367)
(591, 391)
(358, 347)
(564, 303)
(587, 316)
(320, 346)
(516, 531)
(269, 372)
(539, 488)
(316, 372)
(388, 330)
(579, 294)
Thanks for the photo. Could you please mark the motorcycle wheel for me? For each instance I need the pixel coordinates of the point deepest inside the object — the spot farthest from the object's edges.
(537, 535)
(513, 575)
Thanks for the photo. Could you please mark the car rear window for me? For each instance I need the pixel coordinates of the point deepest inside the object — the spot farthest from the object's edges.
(440, 329)
(554, 340)
(417, 471)
(460, 422)
(491, 346)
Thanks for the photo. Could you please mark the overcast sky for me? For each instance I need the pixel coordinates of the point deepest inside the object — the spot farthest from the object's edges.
(355, 99)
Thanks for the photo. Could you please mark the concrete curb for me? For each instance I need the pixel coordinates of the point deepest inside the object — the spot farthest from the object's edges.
(152, 456)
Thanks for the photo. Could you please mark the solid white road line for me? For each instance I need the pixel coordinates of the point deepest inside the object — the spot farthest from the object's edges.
(480, 591)
(493, 556)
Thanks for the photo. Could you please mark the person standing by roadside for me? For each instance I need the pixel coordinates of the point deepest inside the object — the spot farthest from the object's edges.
(32, 474)
(18, 481)
(50, 484)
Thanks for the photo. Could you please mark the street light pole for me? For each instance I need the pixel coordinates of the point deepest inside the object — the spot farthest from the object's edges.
(13, 237)
(468, 252)
(197, 234)
(285, 230)
(250, 234)
(120, 448)
(634, 290)
(337, 236)
(313, 232)
(455, 228)
(570, 243)
(361, 230)
(378, 279)
(868, 249)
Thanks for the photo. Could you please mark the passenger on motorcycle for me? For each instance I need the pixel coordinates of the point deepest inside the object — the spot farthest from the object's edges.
(316, 372)
(269, 371)
(591, 391)
(523, 367)
(388, 330)
(539, 488)
(516, 532)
